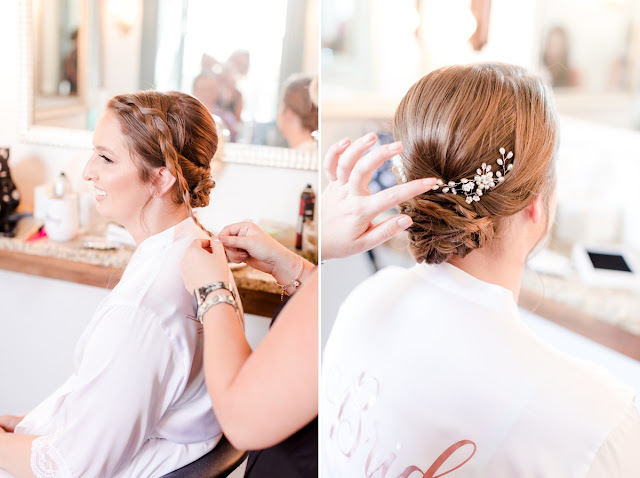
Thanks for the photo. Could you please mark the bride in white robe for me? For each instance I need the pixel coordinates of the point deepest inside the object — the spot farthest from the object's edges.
(136, 403)
(429, 371)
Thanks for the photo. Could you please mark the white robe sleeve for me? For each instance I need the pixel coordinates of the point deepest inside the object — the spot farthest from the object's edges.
(619, 455)
(125, 381)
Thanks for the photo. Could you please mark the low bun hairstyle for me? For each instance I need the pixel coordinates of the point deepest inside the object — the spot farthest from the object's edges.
(173, 130)
(453, 120)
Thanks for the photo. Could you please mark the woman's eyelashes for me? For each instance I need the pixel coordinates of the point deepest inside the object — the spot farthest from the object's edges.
(106, 160)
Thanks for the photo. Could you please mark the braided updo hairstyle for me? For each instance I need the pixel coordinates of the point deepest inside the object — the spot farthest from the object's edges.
(453, 120)
(173, 130)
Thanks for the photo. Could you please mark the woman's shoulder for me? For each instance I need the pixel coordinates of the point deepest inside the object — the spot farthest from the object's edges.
(369, 302)
(590, 383)
(392, 277)
(583, 395)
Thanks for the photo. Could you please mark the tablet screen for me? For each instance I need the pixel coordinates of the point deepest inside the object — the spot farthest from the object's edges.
(611, 262)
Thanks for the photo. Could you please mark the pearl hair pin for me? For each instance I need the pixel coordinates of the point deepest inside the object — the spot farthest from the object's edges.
(483, 181)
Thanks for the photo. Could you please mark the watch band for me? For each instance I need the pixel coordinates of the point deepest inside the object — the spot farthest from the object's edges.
(202, 292)
(215, 300)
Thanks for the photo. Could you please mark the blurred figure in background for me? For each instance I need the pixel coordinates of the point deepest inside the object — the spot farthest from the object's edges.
(233, 72)
(298, 115)
(555, 59)
(70, 64)
(207, 88)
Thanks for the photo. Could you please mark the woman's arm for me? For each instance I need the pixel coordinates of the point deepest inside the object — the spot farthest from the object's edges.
(263, 397)
(246, 242)
(15, 454)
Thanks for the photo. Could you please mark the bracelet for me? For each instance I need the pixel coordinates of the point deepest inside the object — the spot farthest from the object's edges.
(215, 300)
(295, 282)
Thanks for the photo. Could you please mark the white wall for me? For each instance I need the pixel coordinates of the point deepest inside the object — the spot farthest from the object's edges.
(40, 322)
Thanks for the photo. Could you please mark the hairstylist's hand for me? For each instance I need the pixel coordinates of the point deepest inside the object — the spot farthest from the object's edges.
(348, 207)
(246, 242)
(204, 262)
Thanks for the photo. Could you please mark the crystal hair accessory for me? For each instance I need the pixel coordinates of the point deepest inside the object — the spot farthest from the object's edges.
(483, 181)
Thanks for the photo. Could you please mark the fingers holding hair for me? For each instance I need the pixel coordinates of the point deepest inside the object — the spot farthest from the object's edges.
(391, 197)
(363, 169)
(236, 247)
(382, 232)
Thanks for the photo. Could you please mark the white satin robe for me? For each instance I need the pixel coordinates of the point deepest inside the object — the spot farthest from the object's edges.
(136, 404)
(429, 370)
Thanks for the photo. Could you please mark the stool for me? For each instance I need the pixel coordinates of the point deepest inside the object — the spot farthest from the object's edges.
(218, 463)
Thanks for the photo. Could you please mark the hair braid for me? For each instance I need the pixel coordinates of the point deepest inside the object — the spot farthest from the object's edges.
(173, 130)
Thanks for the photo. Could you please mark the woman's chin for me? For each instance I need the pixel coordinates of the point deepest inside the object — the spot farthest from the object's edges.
(103, 211)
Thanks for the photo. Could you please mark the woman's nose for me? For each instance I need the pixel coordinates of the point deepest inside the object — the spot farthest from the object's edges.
(89, 170)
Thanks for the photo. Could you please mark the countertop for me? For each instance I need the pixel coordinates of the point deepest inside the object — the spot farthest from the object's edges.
(73, 262)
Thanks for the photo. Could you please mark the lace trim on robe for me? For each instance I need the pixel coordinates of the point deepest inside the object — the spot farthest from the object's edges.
(46, 461)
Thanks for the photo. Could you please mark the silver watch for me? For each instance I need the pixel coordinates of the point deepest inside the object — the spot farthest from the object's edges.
(201, 293)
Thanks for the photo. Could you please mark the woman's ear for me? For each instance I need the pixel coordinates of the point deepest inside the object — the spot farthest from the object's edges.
(535, 211)
(164, 181)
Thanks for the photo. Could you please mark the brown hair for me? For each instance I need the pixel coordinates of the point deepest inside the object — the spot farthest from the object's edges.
(296, 97)
(174, 130)
(453, 120)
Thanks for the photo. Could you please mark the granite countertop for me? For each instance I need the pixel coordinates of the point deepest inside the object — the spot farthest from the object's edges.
(613, 306)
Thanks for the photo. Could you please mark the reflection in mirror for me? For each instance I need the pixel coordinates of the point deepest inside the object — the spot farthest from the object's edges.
(186, 45)
(58, 86)
(235, 71)
(573, 57)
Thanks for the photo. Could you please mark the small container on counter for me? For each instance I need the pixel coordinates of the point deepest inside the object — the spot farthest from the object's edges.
(61, 222)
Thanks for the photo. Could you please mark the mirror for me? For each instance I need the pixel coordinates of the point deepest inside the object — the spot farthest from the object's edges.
(573, 57)
(67, 77)
(596, 77)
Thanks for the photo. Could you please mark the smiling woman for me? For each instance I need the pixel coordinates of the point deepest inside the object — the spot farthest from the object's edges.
(136, 404)
(115, 177)
(142, 152)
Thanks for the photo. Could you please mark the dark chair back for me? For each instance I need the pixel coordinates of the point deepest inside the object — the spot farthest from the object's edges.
(218, 463)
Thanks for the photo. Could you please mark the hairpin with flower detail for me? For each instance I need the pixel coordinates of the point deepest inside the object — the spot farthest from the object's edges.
(483, 181)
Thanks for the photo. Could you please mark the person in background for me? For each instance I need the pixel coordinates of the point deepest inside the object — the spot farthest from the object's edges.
(298, 114)
(207, 88)
(136, 404)
(556, 59)
(70, 64)
(234, 71)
